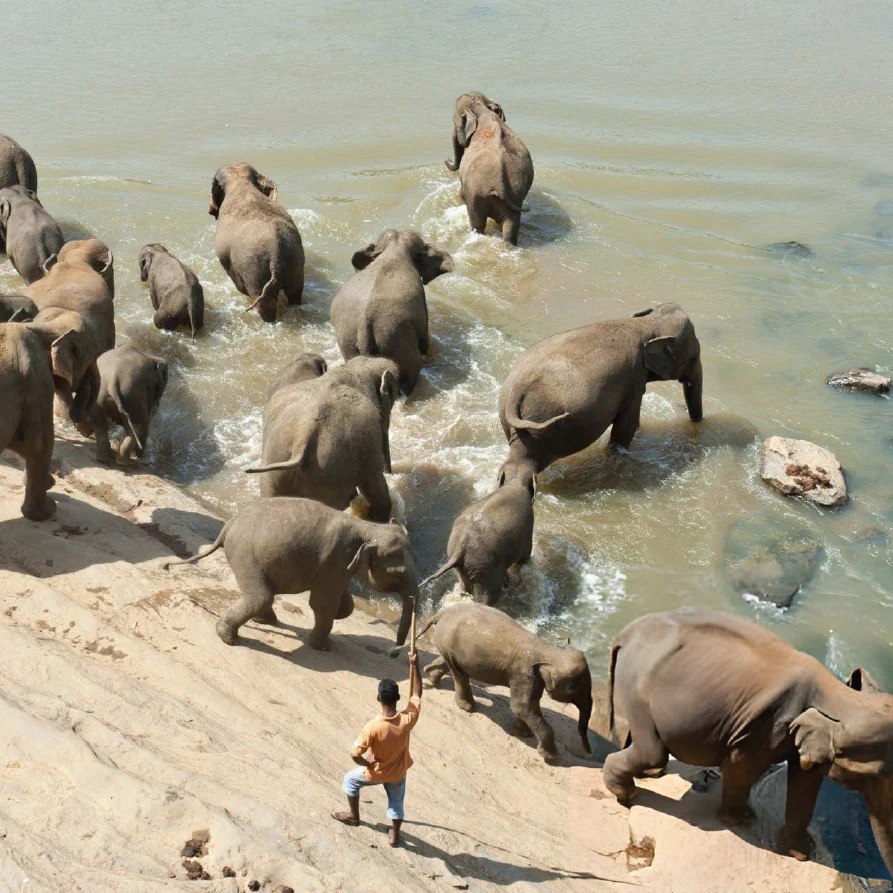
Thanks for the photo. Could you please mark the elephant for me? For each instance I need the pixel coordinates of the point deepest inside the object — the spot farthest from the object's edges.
(492, 535)
(381, 310)
(26, 413)
(76, 316)
(325, 438)
(131, 385)
(495, 168)
(713, 689)
(481, 643)
(16, 308)
(286, 544)
(562, 393)
(176, 293)
(16, 169)
(304, 367)
(258, 243)
(31, 234)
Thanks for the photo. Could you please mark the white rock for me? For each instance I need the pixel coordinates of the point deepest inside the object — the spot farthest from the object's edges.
(800, 468)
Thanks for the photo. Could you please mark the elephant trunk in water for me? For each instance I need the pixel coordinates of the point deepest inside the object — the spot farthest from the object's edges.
(585, 707)
(692, 389)
(880, 814)
(458, 150)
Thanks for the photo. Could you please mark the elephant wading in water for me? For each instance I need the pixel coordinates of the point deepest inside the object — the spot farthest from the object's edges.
(713, 689)
(492, 535)
(287, 545)
(176, 294)
(495, 169)
(302, 368)
(258, 243)
(325, 438)
(563, 393)
(381, 310)
(477, 642)
(16, 169)
(32, 236)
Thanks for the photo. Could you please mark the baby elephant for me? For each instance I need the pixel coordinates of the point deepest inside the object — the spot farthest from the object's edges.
(131, 384)
(477, 642)
(492, 535)
(176, 293)
(302, 368)
(31, 234)
(326, 437)
(287, 545)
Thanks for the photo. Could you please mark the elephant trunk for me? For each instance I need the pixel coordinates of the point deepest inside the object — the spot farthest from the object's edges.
(409, 592)
(881, 817)
(585, 707)
(85, 396)
(692, 390)
(458, 150)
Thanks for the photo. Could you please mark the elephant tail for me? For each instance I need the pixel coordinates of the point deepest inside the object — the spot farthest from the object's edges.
(615, 650)
(366, 339)
(271, 289)
(451, 563)
(115, 393)
(395, 652)
(299, 457)
(192, 326)
(221, 537)
(515, 421)
(504, 198)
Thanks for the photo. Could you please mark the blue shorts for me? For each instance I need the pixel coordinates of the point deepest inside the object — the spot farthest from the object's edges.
(396, 790)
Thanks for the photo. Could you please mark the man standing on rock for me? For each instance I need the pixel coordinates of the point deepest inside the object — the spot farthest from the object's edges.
(386, 740)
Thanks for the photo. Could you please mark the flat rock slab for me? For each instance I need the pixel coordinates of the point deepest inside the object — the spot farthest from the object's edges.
(863, 379)
(801, 468)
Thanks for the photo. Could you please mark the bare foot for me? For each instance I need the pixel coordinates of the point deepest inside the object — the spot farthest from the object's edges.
(394, 837)
(346, 819)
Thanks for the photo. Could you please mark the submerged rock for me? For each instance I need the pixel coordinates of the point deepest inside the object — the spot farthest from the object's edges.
(801, 468)
(770, 559)
(862, 379)
(793, 249)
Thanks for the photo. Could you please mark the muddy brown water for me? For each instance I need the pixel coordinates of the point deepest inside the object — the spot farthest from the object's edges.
(671, 146)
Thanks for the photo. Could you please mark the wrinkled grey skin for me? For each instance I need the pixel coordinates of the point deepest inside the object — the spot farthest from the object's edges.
(326, 438)
(176, 294)
(381, 309)
(16, 308)
(304, 367)
(76, 320)
(16, 168)
(258, 243)
(287, 545)
(30, 233)
(26, 412)
(563, 393)
(713, 689)
(492, 535)
(481, 643)
(131, 385)
(495, 168)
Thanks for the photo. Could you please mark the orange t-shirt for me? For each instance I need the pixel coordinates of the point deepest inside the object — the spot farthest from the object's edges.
(387, 739)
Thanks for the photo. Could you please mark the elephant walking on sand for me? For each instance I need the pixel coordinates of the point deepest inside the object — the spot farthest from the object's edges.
(482, 643)
(495, 168)
(713, 689)
(288, 545)
(258, 244)
(381, 310)
(32, 236)
(564, 392)
(326, 437)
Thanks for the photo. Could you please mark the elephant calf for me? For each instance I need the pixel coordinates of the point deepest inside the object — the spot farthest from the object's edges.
(131, 385)
(287, 545)
(482, 643)
(492, 535)
(326, 437)
(495, 168)
(381, 310)
(32, 236)
(713, 689)
(176, 294)
(16, 168)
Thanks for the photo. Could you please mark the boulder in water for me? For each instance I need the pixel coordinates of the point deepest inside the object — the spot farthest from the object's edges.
(792, 249)
(862, 379)
(801, 468)
(770, 559)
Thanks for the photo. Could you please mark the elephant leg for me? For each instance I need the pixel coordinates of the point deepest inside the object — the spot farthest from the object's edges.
(267, 616)
(521, 729)
(525, 705)
(645, 752)
(464, 581)
(739, 774)
(129, 452)
(257, 598)
(345, 608)
(477, 213)
(511, 226)
(375, 491)
(626, 423)
(436, 670)
(803, 791)
(37, 505)
(324, 603)
(295, 292)
(464, 697)
(104, 452)
(489, 591)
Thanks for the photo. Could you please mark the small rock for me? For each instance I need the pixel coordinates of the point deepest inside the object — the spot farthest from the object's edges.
(793, 249)
(227, 871)
(871, 536)
(283, 889)
(203, 835)
(195, 872)
(862, 379)
(800, 468)
(640, 854)
(254, 885)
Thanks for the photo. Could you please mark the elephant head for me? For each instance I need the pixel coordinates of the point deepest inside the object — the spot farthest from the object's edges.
(147, 255)
(465, 123)
(518, 474)
(429, 262)
(566, 677)
(386, 560)
(850, 739)
(231, 174)
(160, 381)
(671, 351)
(91, 252)
(10, 196)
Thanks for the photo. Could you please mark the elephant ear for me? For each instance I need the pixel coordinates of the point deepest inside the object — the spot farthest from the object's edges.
(545, 672)
(496, 108)
(267, 187)
(362, 258)
(469, 126)
(215, 200)
(63, 354)
(160, 379)
(145, 261)
(5, 211)
(647, 312)
(860, 680)
(360, 561)
(660, 358)
(432, 263)
(813, 733)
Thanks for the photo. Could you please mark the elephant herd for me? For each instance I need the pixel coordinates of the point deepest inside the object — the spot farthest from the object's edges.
(706, 687)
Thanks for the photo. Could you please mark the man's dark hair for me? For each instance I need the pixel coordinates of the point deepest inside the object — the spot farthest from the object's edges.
(388, 693)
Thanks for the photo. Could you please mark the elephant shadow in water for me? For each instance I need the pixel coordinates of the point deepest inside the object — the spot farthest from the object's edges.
(661, 450)
(544, 221)
(450, 359)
